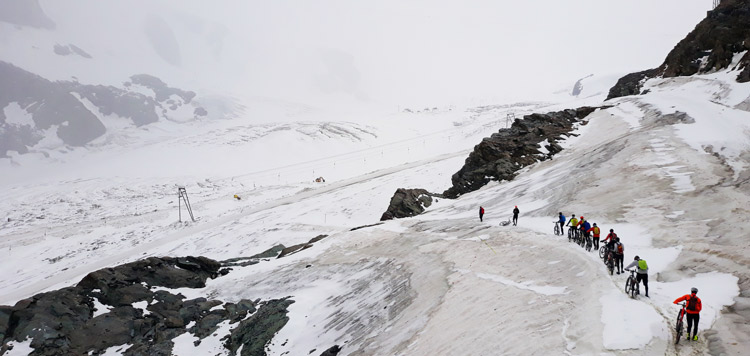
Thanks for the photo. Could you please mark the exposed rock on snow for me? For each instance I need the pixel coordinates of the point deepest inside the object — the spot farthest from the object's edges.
(407, 202)
(711, 46)
(70, 49)
(501, 155)
(63, 321)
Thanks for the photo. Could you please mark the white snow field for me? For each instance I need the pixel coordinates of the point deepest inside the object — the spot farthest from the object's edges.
(668, 171)
(442, 282)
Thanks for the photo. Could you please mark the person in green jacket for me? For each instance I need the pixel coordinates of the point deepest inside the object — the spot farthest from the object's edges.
(641, 273)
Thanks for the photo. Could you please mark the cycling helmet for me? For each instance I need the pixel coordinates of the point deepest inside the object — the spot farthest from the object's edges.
(581, 217)
(693, 290)
(636, 258)
(594, 224)
(611, 230)
(617, 239)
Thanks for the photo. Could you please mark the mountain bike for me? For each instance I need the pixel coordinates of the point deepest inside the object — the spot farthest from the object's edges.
(581, 239)
(557, 228)
(589, 244)
(610, 262)
(678, 327)
(632, 287)
(570, 234)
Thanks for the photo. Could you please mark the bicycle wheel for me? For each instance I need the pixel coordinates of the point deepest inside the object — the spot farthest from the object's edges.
(557, 229)
(602, 252)
(570, 235)
(611, 266)
(633, 288)
(628, 285)
(678, 329)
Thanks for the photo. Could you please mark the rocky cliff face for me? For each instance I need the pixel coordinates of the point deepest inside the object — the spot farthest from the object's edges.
(529, 140)
(711, 46)
(44, 105)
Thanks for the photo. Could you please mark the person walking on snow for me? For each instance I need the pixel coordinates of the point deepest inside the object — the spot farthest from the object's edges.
(572, 223)
(515, 215)
(595, 230)
(481, 213)
(693, 309)
(562, 223)
(641, 273)
(610, 239)
(619, 255)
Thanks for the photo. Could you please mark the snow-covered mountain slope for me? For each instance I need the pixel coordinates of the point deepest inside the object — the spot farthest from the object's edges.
(443, 282)
(667, 170)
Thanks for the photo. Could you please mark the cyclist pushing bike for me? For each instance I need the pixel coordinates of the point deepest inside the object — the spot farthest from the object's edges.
(573, 223)
(595, 230)
(619, 255)
(641, 272)
(693, 309)
(562, 222)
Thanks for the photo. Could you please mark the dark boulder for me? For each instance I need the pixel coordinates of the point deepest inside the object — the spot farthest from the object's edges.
(255, 332)
(407, 202)
(333, 351)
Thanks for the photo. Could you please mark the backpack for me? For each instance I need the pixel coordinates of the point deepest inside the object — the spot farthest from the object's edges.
(619, 248)
(642, 264)
(692, 303)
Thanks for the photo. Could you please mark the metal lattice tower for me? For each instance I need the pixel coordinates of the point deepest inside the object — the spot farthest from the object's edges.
(183, 197)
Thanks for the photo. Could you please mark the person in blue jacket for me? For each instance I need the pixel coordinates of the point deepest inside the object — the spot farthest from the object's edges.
(562, 223)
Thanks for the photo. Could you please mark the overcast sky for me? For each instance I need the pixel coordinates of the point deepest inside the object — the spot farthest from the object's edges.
(422, 52)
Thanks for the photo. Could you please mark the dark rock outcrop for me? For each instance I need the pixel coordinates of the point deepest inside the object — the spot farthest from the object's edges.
(66, 322)
(407, 202)
(333, 351)
(70, 49)
(501, 155)
(631, 84)
(709, 47)
(299, 247)
(255, 331)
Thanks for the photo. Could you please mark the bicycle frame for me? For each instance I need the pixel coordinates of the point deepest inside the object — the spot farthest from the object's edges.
(678, 326)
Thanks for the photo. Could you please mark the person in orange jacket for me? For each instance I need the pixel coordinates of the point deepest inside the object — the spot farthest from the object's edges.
(693, 309)
(596, 232)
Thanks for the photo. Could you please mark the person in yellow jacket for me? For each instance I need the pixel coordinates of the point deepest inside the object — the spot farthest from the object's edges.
(573, 223)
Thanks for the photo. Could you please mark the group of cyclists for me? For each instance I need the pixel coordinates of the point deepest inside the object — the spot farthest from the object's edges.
(613, 253)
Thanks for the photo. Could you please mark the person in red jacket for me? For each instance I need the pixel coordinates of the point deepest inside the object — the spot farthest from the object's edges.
(481, 213)
(693, 309)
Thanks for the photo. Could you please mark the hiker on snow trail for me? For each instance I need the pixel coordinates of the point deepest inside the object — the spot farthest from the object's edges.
(515, 215)
(562, 223)
(596, 232)
(693, 309)
(481, 213)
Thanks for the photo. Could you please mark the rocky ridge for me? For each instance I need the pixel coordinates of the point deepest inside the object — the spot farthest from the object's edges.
(713, 45)
(498, 157)
(134, 306)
